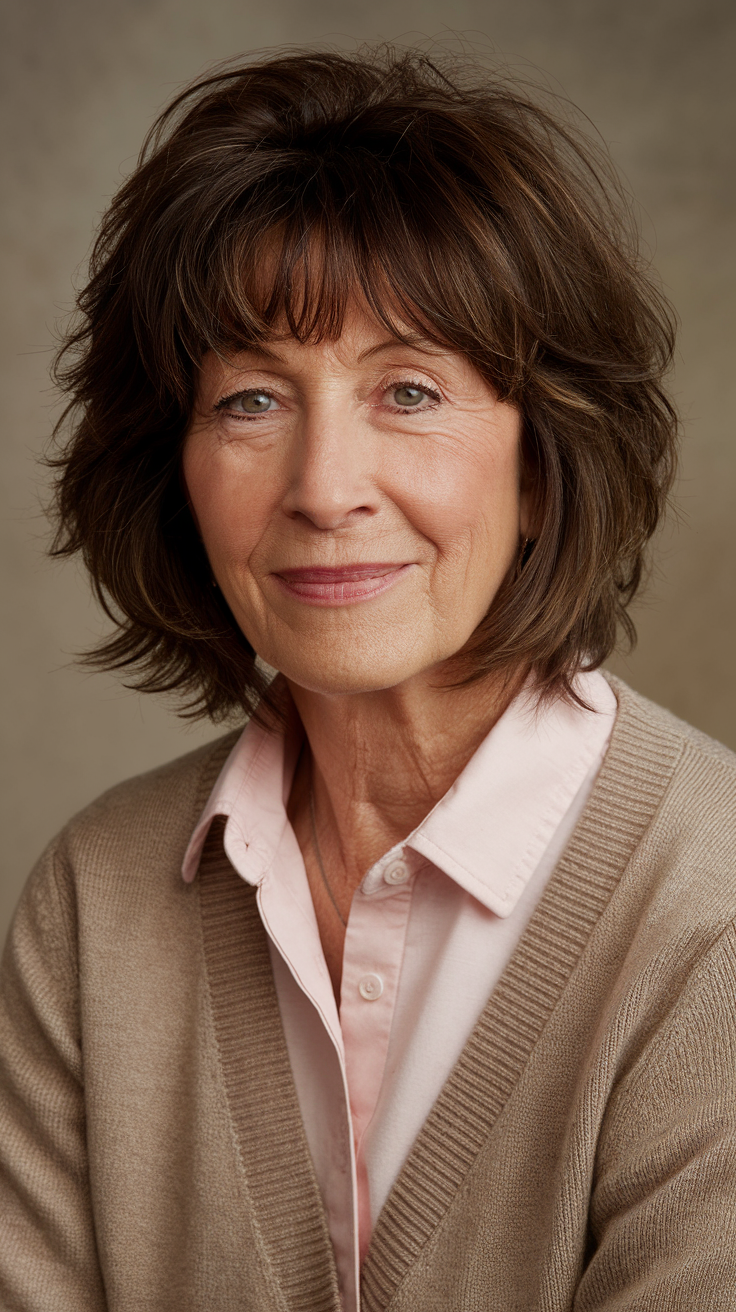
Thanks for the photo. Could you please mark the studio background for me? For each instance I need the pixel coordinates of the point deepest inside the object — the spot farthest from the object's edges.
(81, 81)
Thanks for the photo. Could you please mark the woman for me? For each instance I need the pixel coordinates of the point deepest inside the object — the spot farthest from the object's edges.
(417, 992)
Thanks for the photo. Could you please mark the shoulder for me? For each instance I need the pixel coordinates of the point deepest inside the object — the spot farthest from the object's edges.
(145, 821)
(677, 788)
(649, 717)
(652, 751)
(108, 888)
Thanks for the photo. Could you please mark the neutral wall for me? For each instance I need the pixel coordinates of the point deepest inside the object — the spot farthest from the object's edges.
(81, 80)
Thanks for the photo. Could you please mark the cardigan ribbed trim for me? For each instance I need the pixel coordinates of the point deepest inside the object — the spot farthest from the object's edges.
(502, 1041)
(264, 1105)
(284, 1194)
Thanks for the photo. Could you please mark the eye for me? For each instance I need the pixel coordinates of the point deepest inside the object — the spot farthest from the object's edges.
(254, 402)
(410, 396)
(406, 395)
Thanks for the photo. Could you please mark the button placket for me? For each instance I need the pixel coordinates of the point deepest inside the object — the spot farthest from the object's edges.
(374, 945)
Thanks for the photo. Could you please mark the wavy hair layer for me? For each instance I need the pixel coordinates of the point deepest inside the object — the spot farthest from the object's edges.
(455, 205)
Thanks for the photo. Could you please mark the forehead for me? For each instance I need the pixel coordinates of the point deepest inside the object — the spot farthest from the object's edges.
(363, 339)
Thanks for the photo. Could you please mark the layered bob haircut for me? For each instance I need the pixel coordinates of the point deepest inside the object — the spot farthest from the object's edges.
(453, 205)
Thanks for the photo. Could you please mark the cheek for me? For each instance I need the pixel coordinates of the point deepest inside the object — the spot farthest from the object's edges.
(229, 507)
(467, 502)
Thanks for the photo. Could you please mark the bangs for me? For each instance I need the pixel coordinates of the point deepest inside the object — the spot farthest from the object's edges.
(290, 256)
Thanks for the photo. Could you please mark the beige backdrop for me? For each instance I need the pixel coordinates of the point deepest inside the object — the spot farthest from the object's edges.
(81, 81)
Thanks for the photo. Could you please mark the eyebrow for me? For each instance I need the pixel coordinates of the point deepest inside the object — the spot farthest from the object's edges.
(414, 340)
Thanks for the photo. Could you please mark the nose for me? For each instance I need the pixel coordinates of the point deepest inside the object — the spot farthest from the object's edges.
(331, 483)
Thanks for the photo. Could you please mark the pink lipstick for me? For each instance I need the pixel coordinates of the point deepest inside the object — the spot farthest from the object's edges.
(320, 586)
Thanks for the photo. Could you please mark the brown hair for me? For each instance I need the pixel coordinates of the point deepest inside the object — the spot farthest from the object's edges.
(456, 205)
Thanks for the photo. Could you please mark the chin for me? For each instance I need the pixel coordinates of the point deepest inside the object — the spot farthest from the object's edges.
(326, 673)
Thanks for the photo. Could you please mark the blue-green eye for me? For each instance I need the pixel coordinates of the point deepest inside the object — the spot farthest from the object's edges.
(408, 396)
(254, 403)
(248, 403)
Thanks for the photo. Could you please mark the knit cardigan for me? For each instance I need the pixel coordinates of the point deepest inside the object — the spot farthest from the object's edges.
(582, 1154)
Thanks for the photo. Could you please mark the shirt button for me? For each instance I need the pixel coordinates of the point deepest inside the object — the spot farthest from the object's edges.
(397, 872)
(370, 987)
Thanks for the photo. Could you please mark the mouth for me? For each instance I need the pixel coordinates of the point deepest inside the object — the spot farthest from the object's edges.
(339, 587)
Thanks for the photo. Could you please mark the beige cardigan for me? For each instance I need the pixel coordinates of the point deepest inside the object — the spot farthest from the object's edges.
(582, 1154)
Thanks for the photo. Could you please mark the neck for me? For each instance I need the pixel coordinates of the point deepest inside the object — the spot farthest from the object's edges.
(378, 762)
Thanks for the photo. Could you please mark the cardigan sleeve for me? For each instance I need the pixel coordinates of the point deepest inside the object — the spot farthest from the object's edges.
(48, 1256)
(663, 1204)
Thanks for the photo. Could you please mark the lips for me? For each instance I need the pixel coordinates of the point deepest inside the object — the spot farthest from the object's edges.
(323, 586)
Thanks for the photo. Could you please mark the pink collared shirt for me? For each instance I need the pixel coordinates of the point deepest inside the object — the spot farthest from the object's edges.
(430, 930)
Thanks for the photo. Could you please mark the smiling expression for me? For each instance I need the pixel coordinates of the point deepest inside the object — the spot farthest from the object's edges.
(359, 500)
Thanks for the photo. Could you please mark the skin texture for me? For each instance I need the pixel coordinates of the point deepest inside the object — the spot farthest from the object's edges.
(313, 457)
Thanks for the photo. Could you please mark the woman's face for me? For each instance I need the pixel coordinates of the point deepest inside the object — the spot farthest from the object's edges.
(359, 501)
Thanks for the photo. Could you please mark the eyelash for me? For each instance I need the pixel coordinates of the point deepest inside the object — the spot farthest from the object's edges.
(225, 401)
(393, 386)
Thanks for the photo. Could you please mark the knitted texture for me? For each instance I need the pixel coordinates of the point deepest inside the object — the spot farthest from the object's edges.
(284, 1194)
(582, 1154)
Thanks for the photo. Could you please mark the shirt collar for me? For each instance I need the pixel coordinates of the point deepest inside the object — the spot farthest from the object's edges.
(494, 824)
(488, 832)
(252, 791)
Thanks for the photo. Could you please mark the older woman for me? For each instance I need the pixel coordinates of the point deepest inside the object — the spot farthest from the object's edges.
(417, 993)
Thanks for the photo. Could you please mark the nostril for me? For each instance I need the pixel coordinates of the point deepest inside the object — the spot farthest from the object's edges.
(328, 518)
